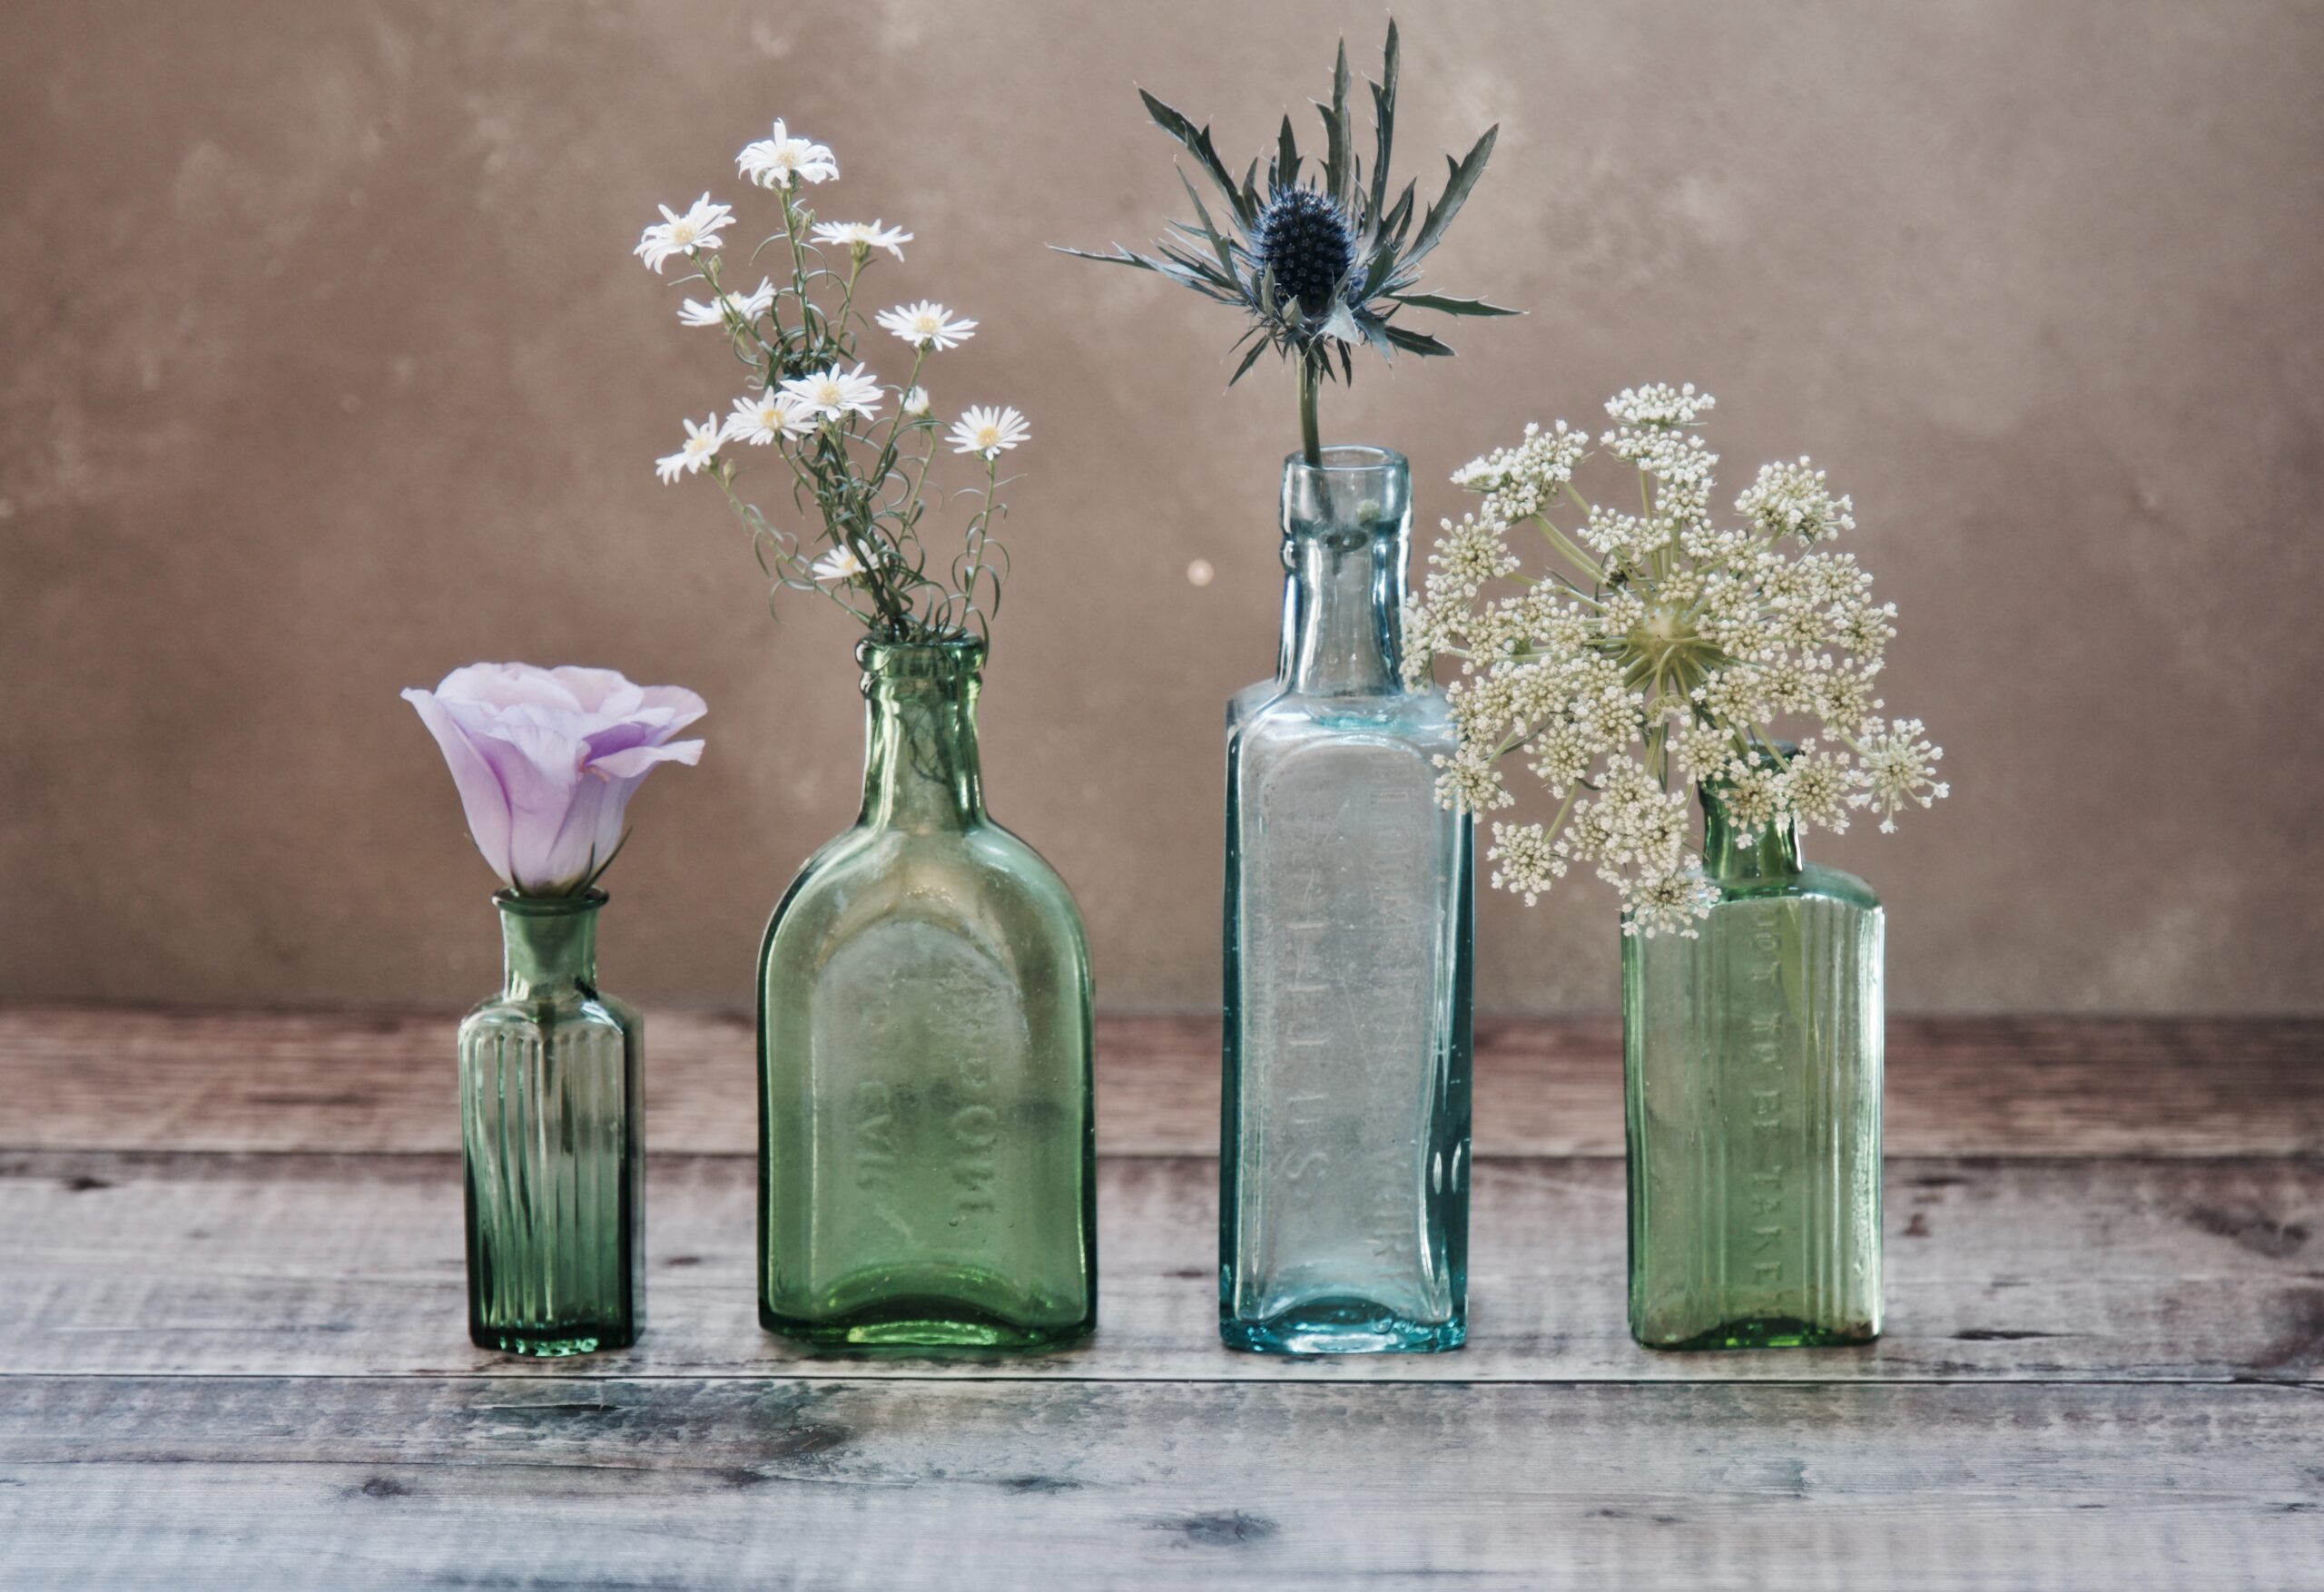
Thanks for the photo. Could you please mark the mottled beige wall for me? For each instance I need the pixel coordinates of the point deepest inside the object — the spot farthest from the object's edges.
(327, 367)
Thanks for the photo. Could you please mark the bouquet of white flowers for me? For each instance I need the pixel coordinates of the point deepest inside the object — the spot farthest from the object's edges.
(1660, 650)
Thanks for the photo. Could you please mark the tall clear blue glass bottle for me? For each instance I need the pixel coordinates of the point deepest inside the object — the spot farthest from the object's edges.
(1344, 1173)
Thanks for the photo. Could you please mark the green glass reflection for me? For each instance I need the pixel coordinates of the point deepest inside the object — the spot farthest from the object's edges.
(1752, 1058)
(553, 1133)
(927, 1163)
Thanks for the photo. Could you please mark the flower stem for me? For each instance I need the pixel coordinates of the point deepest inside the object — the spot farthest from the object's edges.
(1311, 448)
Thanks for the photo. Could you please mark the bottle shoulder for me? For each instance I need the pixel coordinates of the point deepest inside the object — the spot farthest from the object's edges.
(563, 1011)
(1812, 882)
(1270, 711)
(977, 878)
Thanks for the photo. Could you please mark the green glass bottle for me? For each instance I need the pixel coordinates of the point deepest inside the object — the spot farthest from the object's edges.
(1752, 1058)
(927, 1138)
(553, 1133)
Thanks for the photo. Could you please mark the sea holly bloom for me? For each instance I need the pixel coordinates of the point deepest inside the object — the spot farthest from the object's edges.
(701, 445)
(1660, 647)
(699, 228)
(830, 394)
(783, 161)
(927, 325)
(866, 236)
(838, 565)
(1325, 257)
(546, 761)
(744, 307)
(988, 431)
(760, 418)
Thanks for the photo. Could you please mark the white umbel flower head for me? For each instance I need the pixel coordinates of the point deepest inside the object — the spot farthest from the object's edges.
(682, 234)
(915, 403)
(760, 418)
(827, 394)
(746, 307)
(988, 431)
(838, 565)
(701, 446)
(863, 235)
(927, 325)
(783, 161)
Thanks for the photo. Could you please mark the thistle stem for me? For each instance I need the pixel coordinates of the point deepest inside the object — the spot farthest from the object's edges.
(1311, 448)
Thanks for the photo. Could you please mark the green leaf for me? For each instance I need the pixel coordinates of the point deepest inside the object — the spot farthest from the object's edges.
(1197, 141)
(1384, 117)
(1285, 173)
(1464, 175)
(1450, 306)
(1417, 342)
(1217, 244)
(1249, 360)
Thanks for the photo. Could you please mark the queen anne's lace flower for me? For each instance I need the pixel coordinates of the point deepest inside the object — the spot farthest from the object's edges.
(1666, 646)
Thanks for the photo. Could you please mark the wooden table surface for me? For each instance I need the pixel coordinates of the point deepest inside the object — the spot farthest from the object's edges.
(233, 1347)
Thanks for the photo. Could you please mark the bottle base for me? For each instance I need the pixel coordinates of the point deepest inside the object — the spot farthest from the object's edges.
(549, 1344)
(1765, 1332)
(917, 1325)
(1340, 1326)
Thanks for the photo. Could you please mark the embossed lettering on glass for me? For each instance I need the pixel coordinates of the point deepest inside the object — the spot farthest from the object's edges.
(1344, 1145)
(1752, 1057)
(927, 1142)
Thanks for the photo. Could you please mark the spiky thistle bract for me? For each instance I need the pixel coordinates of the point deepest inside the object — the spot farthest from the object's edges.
(1321, 257)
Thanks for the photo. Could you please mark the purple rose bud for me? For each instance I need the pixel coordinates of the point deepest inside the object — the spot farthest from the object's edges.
(546, 761)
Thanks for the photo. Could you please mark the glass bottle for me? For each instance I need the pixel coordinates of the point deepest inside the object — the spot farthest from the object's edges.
(1752, 1057)
(553, 1133)
(1344, 1132)
(927, 1140)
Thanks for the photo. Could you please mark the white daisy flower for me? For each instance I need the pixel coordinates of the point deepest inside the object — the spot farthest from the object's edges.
(927, 325)
(988, 431)
(840, 563)
(915, 402)
(829, 393)
(866, 235)
(702, 443)
(747, 307)
(781, 161)
(760, 418)
(677, 234)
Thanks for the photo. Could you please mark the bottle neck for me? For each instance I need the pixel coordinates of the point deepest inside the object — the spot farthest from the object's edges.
(549, 943)
(1346, 533)
(1772, 852)
(919, 768)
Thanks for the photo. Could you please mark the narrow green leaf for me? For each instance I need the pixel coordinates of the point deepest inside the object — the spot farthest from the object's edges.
(1285, 171)
(1334, 148)
(1197, 141)
(1339, 180)
(1384, 117)
(1418, 342)
(1451, 306)
(1464, 175)
(1249, 360)
(1210, 233)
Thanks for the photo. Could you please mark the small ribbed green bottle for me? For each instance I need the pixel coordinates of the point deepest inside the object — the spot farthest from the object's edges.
(553, 1133)
(1752, 1060)
(927, 1152)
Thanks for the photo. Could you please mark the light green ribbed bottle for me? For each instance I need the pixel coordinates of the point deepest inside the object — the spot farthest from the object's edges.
(1752, 1061)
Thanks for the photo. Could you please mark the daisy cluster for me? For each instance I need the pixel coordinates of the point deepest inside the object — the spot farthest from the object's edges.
(1661, 648)
(856, 449)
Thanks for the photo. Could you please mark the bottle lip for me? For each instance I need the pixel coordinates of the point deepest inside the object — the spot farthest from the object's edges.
(1348, 458)
(588, 901)
(909, 660)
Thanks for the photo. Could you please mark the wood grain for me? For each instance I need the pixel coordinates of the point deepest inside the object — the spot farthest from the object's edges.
(87, 1078)
(2000, 1270)
(627, 1483)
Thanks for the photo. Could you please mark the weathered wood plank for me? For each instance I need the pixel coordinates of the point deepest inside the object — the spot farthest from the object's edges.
(276, 1264)
(82, 1079)
(325, 1481)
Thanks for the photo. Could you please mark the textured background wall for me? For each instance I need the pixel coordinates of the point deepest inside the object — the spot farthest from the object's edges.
(327, 367)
